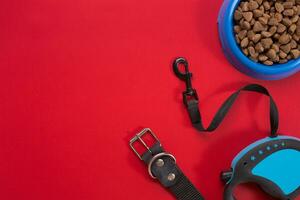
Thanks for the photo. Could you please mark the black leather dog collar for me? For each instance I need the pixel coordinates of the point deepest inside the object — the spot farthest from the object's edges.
(162, 166)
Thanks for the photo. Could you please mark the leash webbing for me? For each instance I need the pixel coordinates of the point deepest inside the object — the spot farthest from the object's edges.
(190, 99)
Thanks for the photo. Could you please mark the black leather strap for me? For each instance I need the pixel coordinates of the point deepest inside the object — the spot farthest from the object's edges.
(190, 99)
(162, 166)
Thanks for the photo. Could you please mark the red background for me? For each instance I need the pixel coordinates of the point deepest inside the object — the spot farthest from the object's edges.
(80, 77)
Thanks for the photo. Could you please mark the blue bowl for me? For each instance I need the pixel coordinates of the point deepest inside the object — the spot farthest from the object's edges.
(236, 57)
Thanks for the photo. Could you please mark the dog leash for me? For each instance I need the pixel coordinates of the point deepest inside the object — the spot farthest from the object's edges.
(252, 164)
(191, 101)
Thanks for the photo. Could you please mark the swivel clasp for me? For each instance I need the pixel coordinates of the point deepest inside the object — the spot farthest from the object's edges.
(190, 92)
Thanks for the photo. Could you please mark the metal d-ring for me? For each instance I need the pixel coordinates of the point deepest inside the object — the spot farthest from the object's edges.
(155, 158)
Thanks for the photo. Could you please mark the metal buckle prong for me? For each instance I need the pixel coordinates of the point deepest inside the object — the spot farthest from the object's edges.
(138, 137)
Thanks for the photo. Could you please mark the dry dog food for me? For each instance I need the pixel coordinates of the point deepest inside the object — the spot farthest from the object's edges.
(268, 31)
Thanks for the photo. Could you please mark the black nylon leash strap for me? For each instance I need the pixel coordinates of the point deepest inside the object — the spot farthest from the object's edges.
(162, 166)
(190, 99)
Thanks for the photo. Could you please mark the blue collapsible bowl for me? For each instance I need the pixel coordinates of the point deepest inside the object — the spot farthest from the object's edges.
(236, 57)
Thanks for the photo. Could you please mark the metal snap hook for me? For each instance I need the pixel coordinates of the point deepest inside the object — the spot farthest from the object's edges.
(190, 92)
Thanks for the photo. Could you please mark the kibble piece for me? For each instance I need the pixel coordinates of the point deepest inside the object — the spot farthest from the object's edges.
(262, 58)
(271, 54)
(257, 13)
(295, 9)
(296, 37)
(275, 47)
(252, 52)
(266, 34)
(284, 39)
(237, 28)
(276, 36)
(253, 5)
(288, 12)
(259, 48)
(266, 15)
(292, 29)
(267, 5)
(281, 28)
(278, 17)
(273, 21)
(286, 21)
(279, 7)
(263, 20)
(282, 54)
(268, 62)
(267, 42)
(250, 34)
(273, 30)
(238, 15)
(256, 38)
(244, 42)
(245, 25)
(295, 53)
(245, 51)
(258, 27)
(248, 16)
(286, 48)
(295, 19)
(244, 7)
(289, 57)
(288, 5)
(242, 34)
(262, 8)
(294, 44)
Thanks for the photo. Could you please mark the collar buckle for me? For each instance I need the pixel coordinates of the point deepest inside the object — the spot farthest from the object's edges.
(138, 138)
